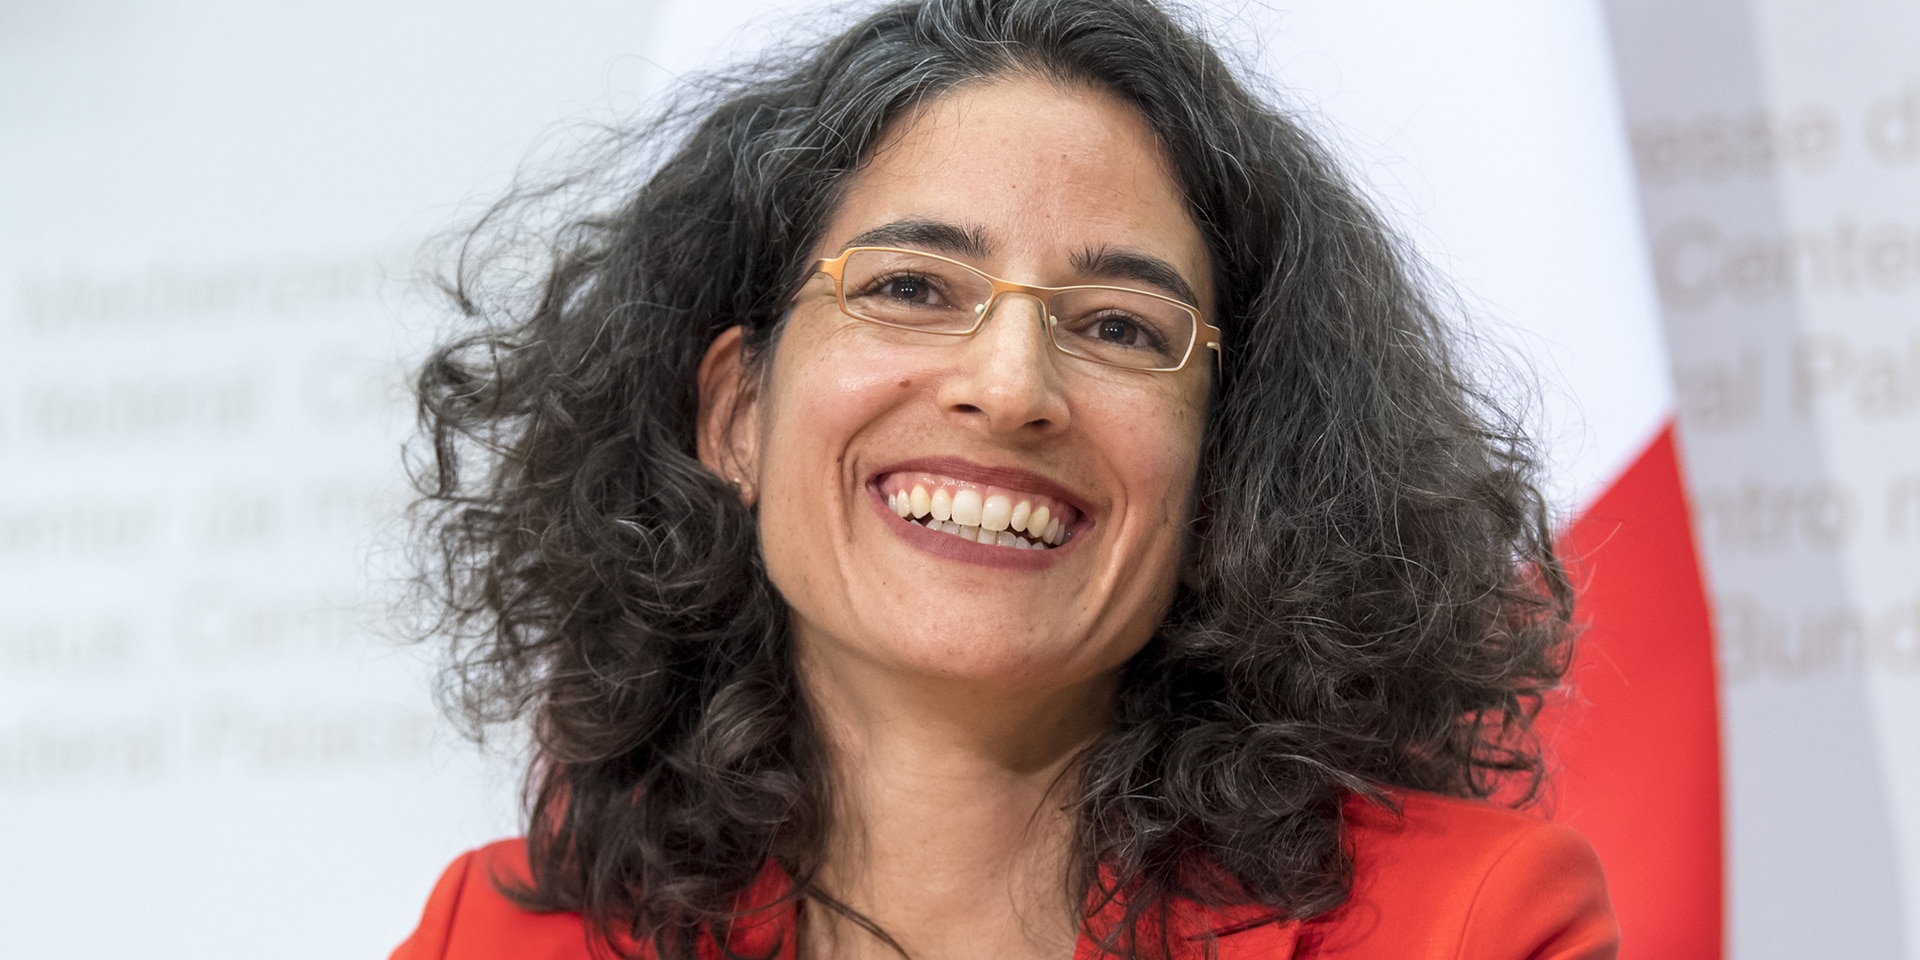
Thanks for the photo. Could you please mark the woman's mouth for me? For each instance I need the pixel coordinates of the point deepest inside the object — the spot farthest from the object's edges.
(979, 512)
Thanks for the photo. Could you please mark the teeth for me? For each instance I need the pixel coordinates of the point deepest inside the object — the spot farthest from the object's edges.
(1037, 522)
(997, 513)
(992, 538)
(983, 514)
(966, 507)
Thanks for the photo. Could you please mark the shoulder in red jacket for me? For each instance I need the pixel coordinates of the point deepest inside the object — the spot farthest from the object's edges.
(467, 918)
(1446, 878)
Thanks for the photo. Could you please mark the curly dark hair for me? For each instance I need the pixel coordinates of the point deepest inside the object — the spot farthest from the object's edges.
(1370, 598)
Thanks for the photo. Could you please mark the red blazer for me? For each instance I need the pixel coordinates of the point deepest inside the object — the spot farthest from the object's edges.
(1447, 878)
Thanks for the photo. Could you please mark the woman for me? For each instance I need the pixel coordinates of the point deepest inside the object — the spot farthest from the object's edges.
(993, 490)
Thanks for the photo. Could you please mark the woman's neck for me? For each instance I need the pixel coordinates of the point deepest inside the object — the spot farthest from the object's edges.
(951, 829)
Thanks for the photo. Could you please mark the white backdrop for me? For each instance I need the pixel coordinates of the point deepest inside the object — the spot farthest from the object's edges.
(209, 215)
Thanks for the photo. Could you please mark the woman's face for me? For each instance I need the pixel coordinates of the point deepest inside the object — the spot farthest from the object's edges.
(1042, 184)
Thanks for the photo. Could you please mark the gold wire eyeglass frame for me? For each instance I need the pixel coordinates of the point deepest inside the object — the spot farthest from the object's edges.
(1204, 333)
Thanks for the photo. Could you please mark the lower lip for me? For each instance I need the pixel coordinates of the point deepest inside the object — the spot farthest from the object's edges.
(966, 551)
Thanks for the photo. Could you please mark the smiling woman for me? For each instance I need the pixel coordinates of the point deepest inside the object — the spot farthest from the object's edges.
(992, 490)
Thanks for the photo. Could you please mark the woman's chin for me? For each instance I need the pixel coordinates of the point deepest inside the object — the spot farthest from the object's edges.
(957, 648)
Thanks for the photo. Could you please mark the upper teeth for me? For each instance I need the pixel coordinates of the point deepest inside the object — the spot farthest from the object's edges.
(981, 513)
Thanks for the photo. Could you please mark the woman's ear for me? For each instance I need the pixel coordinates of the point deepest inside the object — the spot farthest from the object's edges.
(728, 441)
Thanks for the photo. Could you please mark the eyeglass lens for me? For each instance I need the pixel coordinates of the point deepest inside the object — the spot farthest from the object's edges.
(919, 292)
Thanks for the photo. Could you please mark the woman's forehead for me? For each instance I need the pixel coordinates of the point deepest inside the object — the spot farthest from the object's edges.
(1029, 171)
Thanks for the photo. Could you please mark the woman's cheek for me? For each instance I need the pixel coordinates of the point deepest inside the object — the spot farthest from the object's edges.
(822, 393)
(1159, 442)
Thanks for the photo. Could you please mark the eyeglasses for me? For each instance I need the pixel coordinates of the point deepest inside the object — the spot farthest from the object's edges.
(1117, 326)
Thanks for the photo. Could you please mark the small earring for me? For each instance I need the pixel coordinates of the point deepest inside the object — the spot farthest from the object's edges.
(741, 490)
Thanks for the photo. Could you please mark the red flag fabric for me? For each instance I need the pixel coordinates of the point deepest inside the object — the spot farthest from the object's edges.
(1637, 741)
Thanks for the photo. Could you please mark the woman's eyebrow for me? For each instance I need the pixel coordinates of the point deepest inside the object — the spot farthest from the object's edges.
(939, 236)
(935, 236)
(1133, 265)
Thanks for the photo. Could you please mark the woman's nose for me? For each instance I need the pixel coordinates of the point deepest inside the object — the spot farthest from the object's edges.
(1006, 376)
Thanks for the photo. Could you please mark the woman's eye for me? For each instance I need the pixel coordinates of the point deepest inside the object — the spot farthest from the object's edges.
(909, 289)
(1123, 331)
(1117, 330)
